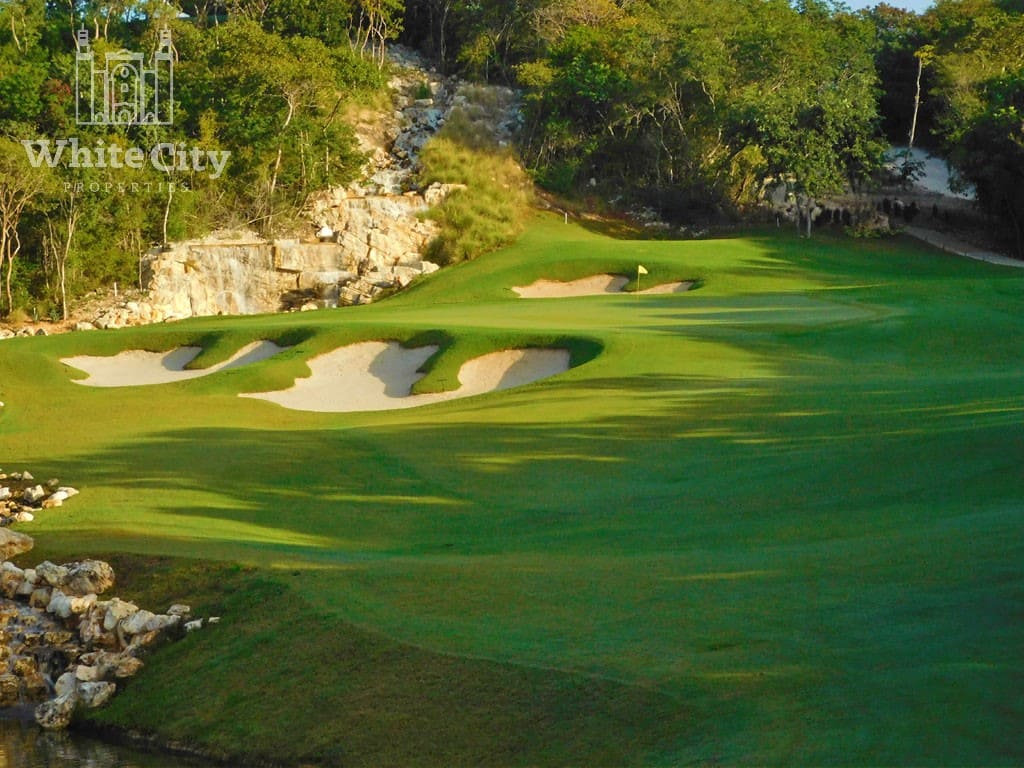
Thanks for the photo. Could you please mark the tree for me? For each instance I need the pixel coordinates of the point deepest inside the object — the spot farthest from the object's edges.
(812, 110)
(377, 22)
(60, 236)
(979, 63)
(924, 56)
(20, 186)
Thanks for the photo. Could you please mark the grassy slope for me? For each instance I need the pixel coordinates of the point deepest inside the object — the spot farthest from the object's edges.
(776, 520)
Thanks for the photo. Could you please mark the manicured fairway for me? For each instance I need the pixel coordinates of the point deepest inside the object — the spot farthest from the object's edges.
(775, 520)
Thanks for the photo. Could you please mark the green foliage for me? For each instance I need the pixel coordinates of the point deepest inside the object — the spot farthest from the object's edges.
(978, 48)
(495, 205)
(272, 97)
(694, 103)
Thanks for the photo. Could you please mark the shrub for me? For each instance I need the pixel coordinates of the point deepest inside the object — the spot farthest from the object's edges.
(493, 208)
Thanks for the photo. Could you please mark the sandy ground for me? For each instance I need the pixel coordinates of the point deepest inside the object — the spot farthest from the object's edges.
(680, 286)
(594, 285)
(135, 368)
(378, 376)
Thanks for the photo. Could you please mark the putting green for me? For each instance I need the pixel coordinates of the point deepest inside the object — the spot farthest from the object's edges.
(774, 519)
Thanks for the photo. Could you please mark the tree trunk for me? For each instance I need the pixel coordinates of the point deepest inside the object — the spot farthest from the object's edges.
(917, 104)
(3, 258)
(167, 208)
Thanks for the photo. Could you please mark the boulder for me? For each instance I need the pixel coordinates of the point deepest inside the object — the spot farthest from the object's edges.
(10, 690)
(13, 543)
(34, 494)
(28, 586)
(94, 695)
(65, 606)
(119, 665)
(89, 577)
(57, 713)
(49, 573)
(88, 674)
(65, 684)
(59, 605)
(162, 622)
(40, 597)
(117, 611)
(11, 577)
(137, 622)
(143, 640)
(91, 630)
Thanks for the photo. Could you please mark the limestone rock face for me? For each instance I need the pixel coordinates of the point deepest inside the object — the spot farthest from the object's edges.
(362, 239)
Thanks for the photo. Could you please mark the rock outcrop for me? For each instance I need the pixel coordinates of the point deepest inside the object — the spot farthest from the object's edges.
(62, 647)
(21, 498)
(362, 239)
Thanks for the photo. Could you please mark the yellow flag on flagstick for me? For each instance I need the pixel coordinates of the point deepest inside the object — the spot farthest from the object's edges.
(641, 269)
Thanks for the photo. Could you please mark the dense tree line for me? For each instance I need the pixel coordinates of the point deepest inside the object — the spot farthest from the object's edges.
(265, 84)
(688, 104)
(691, 106)
(953, 80)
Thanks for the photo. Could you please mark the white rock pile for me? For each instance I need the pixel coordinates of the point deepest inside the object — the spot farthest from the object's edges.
(21, 497)
(62, 647)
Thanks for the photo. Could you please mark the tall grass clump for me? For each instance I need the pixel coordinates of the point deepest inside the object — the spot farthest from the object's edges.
(496, 202)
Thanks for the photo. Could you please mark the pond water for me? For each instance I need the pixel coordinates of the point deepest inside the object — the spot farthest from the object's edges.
(24, 745)
(935, 172)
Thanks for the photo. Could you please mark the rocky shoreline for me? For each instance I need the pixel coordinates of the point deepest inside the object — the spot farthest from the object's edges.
(62, 648)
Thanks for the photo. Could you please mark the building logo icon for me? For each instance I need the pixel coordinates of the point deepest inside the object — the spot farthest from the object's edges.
(125, 91)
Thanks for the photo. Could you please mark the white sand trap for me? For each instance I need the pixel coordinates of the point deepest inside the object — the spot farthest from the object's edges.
(679, 286)
(595, 285)
(135, 368)
(379, 376)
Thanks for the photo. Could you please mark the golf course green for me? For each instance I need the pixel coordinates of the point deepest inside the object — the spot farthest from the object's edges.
(774, 520)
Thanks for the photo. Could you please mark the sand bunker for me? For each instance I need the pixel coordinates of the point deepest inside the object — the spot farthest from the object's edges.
(379, 376)
(595, 285)
(135, 368)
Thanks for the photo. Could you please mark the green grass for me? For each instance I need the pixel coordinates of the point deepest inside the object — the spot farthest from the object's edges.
(775, 520)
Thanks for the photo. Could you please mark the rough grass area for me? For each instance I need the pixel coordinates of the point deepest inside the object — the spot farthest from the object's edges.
(494, 208)
(774, 520)
(359, 698)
